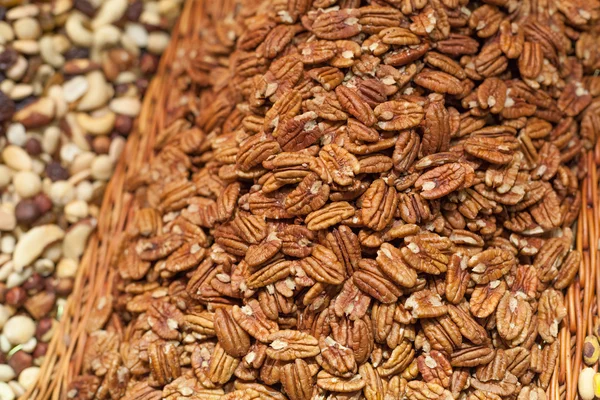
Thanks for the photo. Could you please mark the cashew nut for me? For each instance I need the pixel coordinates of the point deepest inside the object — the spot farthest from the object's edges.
(77, 133)
(49, 53)
(97, 94)
(19, 68)
(106, 36)
(129, 44)
(111, 11)
(100, 125)
(56, 93)
(78, 33)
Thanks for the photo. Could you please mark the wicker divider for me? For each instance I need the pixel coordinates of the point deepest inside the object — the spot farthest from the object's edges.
(94, 281)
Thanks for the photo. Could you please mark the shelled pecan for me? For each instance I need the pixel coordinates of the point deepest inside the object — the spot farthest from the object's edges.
(377, 203)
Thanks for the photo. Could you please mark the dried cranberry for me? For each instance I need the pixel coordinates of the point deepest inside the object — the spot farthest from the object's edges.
(77, 52)
(43, 203)
(33, 147)
(85, 7)
(56, 172)
(134, 11)
(27, 211)
(8, 58)
(7, 107)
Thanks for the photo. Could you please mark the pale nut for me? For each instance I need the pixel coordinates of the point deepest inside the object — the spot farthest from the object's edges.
(106, 36)
(6, 373)
(6, 393)
(20, 91)
(55, 92)
(5, 176)
(74, 88)
(137, 33)
(18, 278)
(18, 69)
(78, 138)
(27, 28)
(5, 270)
(5, 345)
(116, 148)
(102, 167)
(97, 94)
(53, 252)
(132, 48)
(27, 184)
(16, 158)
(28, 47)
(29, 345)
(97, 125)
(111, 11)
(50, 139)
(61, 192)
(5, 314)
(76, 210)
(7, 85)
(76, 238)
(157, 42)
(28, 377)
(6, 32)
(82, 162)
(16, 134)
(33, 242)
(8, 221)
(77, 32)
(19, 329)
(61, 43)
(24, 11)
(60, 7)
(49, 52)
(66, 268)
(586, 383)
(130, 106)
(16, 388)
(7, 244)
(84, 190)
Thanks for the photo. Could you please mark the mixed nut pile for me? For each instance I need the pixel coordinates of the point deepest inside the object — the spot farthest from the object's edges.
(356, 199)
(71, 76)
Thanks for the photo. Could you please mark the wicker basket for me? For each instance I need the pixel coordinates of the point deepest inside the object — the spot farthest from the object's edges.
(93, 285)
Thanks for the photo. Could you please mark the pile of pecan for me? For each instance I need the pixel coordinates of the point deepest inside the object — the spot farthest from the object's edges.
(357, 199)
